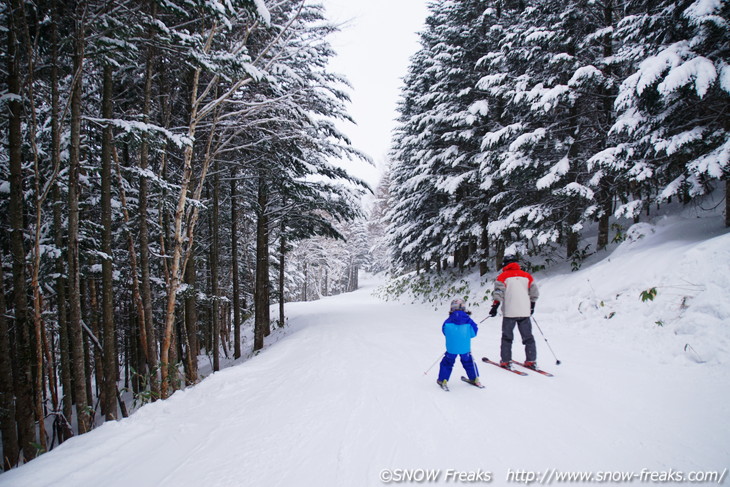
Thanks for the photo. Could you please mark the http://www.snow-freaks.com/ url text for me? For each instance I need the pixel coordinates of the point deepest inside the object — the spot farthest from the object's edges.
(551, 476)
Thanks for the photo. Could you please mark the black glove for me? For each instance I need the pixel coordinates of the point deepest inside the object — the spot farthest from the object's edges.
(493, 311)
(532, 307)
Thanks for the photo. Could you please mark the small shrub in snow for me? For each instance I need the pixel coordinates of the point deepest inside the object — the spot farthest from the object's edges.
(648, 295)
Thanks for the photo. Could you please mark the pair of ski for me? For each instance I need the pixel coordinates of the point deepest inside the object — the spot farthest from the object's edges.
(475, 384)
(509, 369)
(515, 371)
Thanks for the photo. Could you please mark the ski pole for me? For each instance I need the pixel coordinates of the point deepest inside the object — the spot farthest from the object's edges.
(429, 369)
(485, 319)
(557, 362)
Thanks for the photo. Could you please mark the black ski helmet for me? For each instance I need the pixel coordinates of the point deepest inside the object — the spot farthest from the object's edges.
(510, 259)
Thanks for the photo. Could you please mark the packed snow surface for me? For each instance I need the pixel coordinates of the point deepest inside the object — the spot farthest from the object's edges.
(340, 396)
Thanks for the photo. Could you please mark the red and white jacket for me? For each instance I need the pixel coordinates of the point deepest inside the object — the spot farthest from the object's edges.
(516, 290)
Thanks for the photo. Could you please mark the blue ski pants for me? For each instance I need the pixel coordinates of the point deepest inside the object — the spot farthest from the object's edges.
(447, 365)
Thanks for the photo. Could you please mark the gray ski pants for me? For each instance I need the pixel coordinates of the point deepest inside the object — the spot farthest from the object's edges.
(508, 330)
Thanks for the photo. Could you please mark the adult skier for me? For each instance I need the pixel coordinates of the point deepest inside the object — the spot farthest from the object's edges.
(458, 329)
(517, 291)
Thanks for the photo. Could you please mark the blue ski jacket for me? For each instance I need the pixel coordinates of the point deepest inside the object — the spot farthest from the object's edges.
(459, 329)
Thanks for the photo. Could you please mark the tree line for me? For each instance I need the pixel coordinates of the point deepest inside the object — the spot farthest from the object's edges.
(525, 123)
(160, 162)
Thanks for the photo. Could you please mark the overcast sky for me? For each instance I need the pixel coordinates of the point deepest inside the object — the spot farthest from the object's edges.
(374, 48)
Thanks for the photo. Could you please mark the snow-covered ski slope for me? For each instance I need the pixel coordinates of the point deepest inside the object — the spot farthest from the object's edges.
(341, 398)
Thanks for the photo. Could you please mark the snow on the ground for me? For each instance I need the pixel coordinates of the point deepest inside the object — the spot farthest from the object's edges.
(642, 387)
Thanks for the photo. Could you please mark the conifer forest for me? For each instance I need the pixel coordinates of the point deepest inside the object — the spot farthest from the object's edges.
(174, 171)
(524, 122)
(162, 163)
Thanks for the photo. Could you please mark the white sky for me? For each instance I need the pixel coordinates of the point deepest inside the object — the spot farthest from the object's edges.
(374, 48)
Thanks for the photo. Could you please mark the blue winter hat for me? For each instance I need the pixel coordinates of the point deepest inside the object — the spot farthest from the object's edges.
(457, 304)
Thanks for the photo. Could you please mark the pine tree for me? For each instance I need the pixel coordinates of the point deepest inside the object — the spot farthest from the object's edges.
(672, 129)
(454, 153)
(379, 258)
(415, 201)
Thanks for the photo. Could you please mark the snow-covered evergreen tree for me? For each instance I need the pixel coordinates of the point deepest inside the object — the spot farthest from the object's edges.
(672, 134)
(436, 147)
(414, 200)
(572, 113)
(379, 258)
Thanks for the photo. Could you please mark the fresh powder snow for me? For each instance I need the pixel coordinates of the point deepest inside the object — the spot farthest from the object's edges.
(343, 395)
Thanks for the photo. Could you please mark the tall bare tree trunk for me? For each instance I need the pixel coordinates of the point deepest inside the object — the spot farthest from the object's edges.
(572, 237)
(484, 247)
(191, 323)
(50, 372)
(174, 274)
(305, 284)
(326, 283)
(499, 253)
(353, 280)
(234, 265)
(76, 338)
(605, 202)
(262, 319)
(140, 332)
(216, 323)
(178, 244)
(38, 327)
(150, 345)
(109, 381)
(23, 380)
(61, 311)
(88, 321)
(96, 353)
(727, 202)
(175, 380)
(7, 398)
(63, 344)
(605, 195)
(282, 274)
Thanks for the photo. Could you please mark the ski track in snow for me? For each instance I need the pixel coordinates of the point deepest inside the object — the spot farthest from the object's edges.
(343, 394)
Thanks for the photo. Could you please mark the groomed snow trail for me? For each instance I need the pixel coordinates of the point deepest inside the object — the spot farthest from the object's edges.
(343, 396)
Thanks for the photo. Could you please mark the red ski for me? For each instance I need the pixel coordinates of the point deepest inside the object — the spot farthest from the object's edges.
(518, 372)
(534, 369)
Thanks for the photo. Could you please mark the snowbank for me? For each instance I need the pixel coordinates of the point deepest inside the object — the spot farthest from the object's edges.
(683, 277)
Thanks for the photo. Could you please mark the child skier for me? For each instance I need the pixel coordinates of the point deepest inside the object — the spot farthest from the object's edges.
(458, 329)
(517, 291)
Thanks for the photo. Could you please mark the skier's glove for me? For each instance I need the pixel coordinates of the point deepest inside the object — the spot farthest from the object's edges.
(493, 311)
(532, 308)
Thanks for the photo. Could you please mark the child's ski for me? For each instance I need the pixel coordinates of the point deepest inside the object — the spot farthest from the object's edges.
(539, 371)
(480, 386)
(443, 385)
(518, 372)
